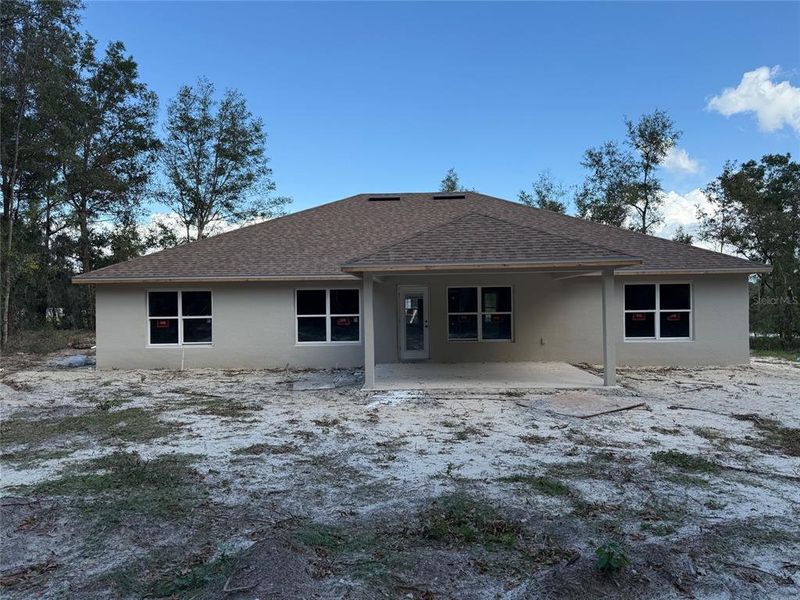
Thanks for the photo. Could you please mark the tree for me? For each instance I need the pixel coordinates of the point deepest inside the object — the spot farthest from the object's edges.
(450, 182)
(114, 146)
(547, 194)
(38, 43)
(622, 186)
(215, 162)
(755, 211)
(682, 236)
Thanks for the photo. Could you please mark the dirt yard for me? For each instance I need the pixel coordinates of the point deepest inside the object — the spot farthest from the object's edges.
(229, 484)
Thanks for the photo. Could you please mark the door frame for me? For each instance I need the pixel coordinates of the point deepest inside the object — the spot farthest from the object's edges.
(404, 354)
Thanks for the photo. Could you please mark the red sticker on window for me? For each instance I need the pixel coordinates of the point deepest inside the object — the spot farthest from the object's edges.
(639, 317)
(674, 317)
(343, 322)
(162, 324)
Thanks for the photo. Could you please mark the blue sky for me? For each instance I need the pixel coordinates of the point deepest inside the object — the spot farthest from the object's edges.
(387, 96)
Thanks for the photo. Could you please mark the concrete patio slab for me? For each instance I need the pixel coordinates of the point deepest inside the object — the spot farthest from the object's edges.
(498, 375)
(585, 404)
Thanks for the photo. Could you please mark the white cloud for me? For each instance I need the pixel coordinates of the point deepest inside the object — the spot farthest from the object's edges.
(678, 160)
(774, 104)
(680, 210)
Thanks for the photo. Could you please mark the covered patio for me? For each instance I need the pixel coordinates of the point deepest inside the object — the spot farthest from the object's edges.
(482, 376)
(480, 302)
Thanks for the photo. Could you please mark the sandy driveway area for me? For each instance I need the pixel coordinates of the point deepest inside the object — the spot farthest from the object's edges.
(230, 484)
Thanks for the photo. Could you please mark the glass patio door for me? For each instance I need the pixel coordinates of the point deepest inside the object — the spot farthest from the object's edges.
(413, 322)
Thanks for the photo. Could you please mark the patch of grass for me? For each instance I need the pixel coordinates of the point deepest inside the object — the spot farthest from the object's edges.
(222, 407)
(462, 519)
(331, 539)
(790, 355)
(685, 462)
(666, 430)
(123, 484)
(128, 425)
(28, 458)
(687, 480)
(193, 577)
(535, 439)
(541, 483)
(47, 340)
(467, 432)
(774, 435)
(326, 421)
(257, 449)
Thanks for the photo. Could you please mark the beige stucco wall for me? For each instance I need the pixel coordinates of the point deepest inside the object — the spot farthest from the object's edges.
(561, 320)
(254, 325)
(253, 328)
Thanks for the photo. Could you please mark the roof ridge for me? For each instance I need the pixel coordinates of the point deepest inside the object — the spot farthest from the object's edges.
(405, 239)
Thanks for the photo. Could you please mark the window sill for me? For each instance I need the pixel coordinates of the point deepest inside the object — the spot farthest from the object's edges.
(198, 345)
(318, 344)
(657, 340)
(449, 341)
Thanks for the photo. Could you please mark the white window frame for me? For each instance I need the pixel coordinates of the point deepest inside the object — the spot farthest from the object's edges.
(327, 316)
(657, 313)
(479, 314)
(180, 319)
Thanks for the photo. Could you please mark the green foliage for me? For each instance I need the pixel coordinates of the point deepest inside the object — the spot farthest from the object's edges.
(450, 182)
(611, 558)
(682, 236)
(622, 186)
(755, 213)
(215, 161)
(547, 194)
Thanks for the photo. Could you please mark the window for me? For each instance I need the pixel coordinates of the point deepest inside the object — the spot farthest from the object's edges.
(326, 316)
(179, 318)
(658, 311)
(479, 313)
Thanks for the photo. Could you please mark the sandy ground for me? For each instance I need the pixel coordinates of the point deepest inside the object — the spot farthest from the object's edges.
(229, 484)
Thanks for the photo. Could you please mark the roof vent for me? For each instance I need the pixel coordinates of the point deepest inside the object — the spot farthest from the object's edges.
(449, 196)
(384, 198)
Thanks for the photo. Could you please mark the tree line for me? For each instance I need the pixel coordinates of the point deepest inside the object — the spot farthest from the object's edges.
(80, 156)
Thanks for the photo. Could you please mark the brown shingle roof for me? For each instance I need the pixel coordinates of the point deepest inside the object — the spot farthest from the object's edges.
(479, 239)
(318, 241)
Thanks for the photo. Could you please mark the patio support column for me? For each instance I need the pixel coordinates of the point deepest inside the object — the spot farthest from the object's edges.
(610, 319)
(369, 333)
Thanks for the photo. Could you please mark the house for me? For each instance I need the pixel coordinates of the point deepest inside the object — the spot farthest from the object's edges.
(445, 278)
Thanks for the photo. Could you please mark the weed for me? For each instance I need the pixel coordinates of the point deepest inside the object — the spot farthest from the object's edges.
(535, 439)
(193, 578)
(666, 430)
(459, 518)
(541, 483)
(230, 409)
(611, 558)
(467, 432)
(257, 449)
(686, 462)
(326, 421)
